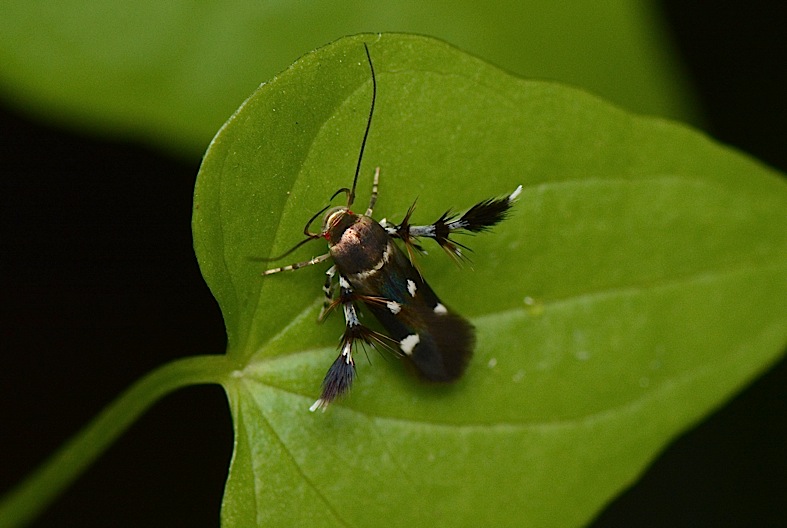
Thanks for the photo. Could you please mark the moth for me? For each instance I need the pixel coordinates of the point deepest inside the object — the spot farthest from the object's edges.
(369, 267)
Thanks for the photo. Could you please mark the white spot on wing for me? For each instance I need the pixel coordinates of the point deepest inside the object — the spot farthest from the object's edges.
(411, 287)
(394, 307)
(408, 343)
(439, 309)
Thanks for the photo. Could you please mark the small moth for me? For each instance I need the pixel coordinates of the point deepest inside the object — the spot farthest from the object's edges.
(370, 268)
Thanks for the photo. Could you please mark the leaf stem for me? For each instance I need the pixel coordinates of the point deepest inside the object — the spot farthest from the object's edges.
(40, 488)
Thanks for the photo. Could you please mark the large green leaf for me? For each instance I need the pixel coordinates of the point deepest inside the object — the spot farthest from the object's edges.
(171, 72)
(639, 283)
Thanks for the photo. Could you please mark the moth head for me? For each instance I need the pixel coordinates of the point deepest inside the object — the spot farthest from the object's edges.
(336, 221)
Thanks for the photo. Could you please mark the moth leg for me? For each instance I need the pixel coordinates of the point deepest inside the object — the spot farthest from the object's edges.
(341, 373)
(480, 217)
(402, 232)
(373, 198)
(328, 288)
(298, 265)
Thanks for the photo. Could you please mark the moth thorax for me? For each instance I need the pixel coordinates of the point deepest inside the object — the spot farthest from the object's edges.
(360, 246)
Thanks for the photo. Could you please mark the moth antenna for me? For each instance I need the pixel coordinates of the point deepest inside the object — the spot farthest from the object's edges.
(350, 192)
(279, 257)
(351, 195)
(308, 234)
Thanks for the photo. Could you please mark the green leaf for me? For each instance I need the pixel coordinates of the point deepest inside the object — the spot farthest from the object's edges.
(171, 72)
(638, 284)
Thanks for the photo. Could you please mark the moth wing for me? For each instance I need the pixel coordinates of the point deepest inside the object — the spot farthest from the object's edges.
(438, 341)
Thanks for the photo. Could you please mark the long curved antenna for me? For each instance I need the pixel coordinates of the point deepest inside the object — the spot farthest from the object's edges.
(293, 248)
(306, 231)
(351, 196)
(308, 234)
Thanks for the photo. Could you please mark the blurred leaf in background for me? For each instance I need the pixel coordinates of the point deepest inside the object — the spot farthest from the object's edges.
(170, 73)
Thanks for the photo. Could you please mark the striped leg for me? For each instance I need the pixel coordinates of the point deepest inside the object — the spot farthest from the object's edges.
(340, 375)
(480, 217)
(298, 265)
(327, 289)
(373, 199)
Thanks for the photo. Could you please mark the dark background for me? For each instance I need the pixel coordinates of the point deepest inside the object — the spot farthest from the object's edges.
(100, 286)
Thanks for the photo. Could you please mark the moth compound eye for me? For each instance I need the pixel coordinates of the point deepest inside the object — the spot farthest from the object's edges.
(332, 218)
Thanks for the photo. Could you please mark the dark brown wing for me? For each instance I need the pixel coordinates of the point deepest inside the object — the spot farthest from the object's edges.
(438, 341)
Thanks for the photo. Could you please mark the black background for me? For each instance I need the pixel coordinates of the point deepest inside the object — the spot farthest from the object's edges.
(100, 285)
